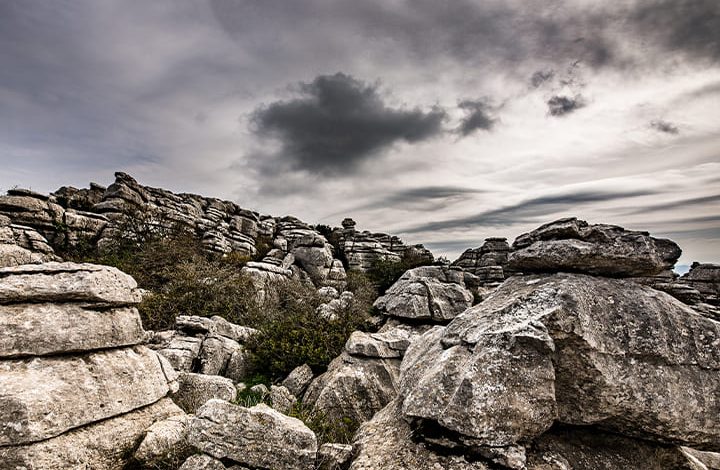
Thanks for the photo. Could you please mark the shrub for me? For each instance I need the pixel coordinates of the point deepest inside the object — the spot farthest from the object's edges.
(384, 273)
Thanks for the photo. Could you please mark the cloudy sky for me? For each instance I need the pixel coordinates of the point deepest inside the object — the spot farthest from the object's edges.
(443, 121)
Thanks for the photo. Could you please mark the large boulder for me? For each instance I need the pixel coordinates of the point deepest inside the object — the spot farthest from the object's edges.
(428, 293)
(354, 388)
(572, 245)
(573, 349)
(704, 277)
(194, 390)
(257, 437)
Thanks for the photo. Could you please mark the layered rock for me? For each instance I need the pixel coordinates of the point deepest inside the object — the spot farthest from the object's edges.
(428, 293)
(257, 437)
(77, 388)
(705, 278)
(573, 245)
(488, 262)
(362, 249)
(22, 245)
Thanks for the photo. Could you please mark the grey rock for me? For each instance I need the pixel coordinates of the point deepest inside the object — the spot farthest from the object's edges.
(260, 389)
(385, 443)
(334, 456)
(180, 351)
(63, 282)
(590, 449)
(390, 342)
(574, 349)
(43, 328)
(298, 380)
(197, 389)
(427, 293)
(202, 462)
(163, 440)
(705, 278)
(14, 255)
(710, 459)
(75, 390)
(215, 353)
(258, 437)
(572, 245)
(281, 399)
(104, 445)
(354, 388)
(239, 366)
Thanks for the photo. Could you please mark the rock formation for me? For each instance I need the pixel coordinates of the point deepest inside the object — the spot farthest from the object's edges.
(488, 262)
(77, 388)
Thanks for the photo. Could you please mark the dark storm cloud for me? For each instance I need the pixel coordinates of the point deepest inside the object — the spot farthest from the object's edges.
(563, 105)
(338, 122)
(526, 211)
(477, 116)
(540, 77)
(683, 203)
(665, 127)
(688, 26)
(423, 198)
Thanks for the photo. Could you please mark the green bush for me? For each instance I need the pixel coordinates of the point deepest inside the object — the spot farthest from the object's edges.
(384, 273)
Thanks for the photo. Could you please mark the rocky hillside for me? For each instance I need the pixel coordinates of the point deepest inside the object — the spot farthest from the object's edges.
(573, 348)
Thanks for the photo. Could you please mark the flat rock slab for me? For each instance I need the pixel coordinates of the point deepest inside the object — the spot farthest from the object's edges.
(575, 349)
(43, 329)
(106, 445)
(67, 282)
(43, 397)
(258, 437)
(572, 245)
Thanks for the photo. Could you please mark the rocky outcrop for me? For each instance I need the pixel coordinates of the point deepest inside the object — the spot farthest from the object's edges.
(578, 345)
(488, 262)
(362, 249)
(257, 437)
(194, 390)
(573, 245)
(211, 346)
(22, 245)
(428, 293)
(705, 278)
(298, 380)
(76, 386)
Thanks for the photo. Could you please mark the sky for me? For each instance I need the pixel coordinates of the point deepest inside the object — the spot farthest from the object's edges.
(444, 122)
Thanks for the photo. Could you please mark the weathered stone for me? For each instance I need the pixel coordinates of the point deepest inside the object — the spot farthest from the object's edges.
(42, 329)
(572, 245)
(43, 397)
(104, 445)
(336, 307)
(389, 342)
(14, 255)
(181, 351)
(385, 443)
(196, 389)
(705, 278)
(281, 399)
(426, 293)
(215, 354)
(571, 348)
(298, 380)
(202, 462)
(163, 440)
(334, 456)
(258, 437)
(63, 282)
(354, 388)
(710, 459)
(589, 449)
(239, 366)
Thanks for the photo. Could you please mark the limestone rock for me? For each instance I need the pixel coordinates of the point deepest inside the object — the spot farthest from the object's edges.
(180, 350)
(104, 445)
(197, 389)
(163, 440)
(240, 365)
(572, 245)
(390, 342)
(298, 380)
(14, 255)
(64, 282)
(575, 349)
(281, 399)
(710, 459)
(43, 328)
(43, 397)
(334, 456)
(706, 279)
(430, 293)
(202, 462)
(215, 353)
(588, 449)
(258, 437)
(354, 388)
(385, 443)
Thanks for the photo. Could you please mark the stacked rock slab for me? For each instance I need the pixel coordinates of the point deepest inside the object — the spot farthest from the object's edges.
(488, 262)
(364, 378)
(563, 370)
(77, 388)
(362, 249)
(22, 245)
(705, 278)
